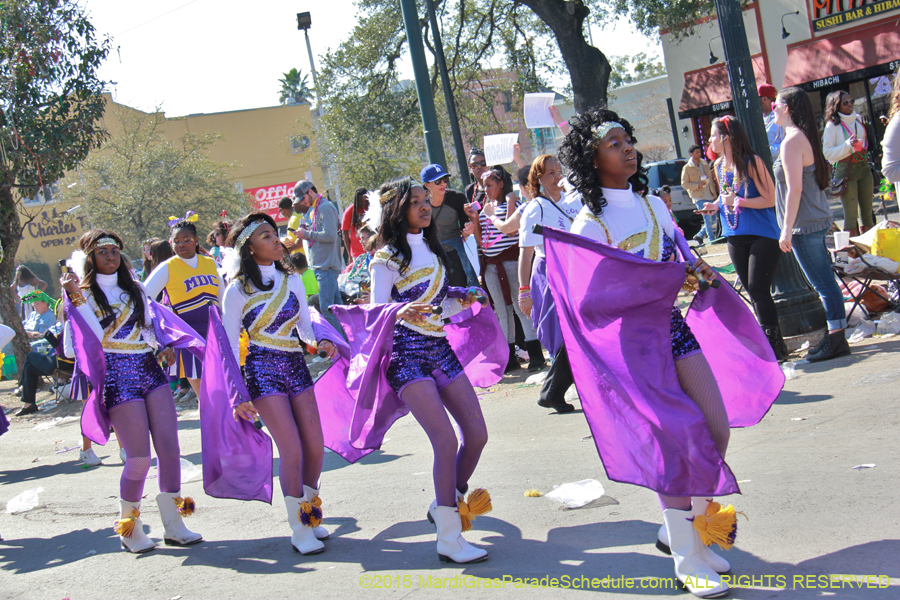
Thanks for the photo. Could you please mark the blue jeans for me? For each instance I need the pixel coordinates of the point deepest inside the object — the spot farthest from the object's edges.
(329, 293)
(813, 258)
(709, 226)
(460, 246)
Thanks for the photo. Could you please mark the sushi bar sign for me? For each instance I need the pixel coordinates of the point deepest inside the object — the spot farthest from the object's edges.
(834, 13)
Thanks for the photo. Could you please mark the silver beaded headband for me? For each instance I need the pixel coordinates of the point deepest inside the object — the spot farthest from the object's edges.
(103, 242)
(603, 128)
(247, 232)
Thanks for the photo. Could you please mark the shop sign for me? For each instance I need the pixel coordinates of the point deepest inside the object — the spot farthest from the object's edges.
(266, 199)
(51, 229)
(830, 13)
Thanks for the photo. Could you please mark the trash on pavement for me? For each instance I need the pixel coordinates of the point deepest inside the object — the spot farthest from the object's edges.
(532, 494)
(866, 329)
(865, 466)
(189, 470)
(536, 378)
(24, 501)
(788, 369)
(577, 494)
(889, 324)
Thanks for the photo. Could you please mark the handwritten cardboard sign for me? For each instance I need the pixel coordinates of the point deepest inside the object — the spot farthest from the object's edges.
(498, 149)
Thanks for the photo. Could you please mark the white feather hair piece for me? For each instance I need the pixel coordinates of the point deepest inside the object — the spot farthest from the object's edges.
(373, 215)
(231, 263)
(76, 263)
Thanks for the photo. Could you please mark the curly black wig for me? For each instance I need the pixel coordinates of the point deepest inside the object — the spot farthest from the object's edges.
(577, 155)
(394, 225)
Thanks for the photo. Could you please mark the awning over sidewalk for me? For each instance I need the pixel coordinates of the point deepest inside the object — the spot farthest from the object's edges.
(708, 91)
(843, 58)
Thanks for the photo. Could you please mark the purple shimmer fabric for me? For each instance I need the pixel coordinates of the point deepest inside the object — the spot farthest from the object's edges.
(616, 324)
(237, 458)
(332, 397)
(170, 332)
(416, 356)
(269, 372)
(129, 377)
(474, 334)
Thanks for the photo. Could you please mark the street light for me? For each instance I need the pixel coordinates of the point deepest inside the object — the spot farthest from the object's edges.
(304, 22)
(785, 32)
(713, 59)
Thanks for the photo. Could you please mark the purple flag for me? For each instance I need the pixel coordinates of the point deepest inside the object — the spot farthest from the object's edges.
(334, 401)
(237, 458)
(4, 423)
(473, 334)
(615, 310)
(543, 309)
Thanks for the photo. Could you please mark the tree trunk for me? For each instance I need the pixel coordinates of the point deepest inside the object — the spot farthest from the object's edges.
(10, 234)
(588, 67)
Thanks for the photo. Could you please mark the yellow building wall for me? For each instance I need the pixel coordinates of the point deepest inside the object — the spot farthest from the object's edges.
(256, 142)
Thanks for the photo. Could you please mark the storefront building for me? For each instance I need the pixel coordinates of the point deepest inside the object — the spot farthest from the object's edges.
(817, 45)
(267, 148)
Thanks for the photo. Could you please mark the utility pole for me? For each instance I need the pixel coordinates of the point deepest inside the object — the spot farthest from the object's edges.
(448, 95)
(800, 310)
(433, 144)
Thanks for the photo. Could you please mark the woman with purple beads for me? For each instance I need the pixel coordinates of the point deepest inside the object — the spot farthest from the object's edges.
(109, 314)
(269, 303)
(411, 268)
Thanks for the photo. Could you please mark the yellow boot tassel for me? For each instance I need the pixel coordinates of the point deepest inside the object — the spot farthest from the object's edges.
(185, 506)
(125, 527)
(478, 504)
(310, 513)
(718, 526)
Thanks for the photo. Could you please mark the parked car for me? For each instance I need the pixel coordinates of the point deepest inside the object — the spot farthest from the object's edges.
(668, 172)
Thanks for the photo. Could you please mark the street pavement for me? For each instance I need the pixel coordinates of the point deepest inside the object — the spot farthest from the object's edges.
(810, 516)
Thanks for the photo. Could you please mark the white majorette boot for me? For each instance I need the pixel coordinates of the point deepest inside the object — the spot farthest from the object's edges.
(451, 547)
(171, 508)
(313, 494)
(479, 503)
(303, 540)
(698, 509)
(691, 567)
(131, 529)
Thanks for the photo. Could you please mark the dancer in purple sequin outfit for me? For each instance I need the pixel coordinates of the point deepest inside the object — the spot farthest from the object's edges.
(411, 267)
(136, 393)
(270, 305)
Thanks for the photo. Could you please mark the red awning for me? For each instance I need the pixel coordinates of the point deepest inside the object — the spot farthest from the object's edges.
(708, 91)
(818, 62)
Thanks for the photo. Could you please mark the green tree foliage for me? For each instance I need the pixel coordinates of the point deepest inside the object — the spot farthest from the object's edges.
(295, 85)
(140, 179)
(50, 109)
(631, 69)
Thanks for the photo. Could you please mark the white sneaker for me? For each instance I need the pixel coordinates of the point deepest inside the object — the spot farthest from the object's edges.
(188, 396)
(122, 455)
(178, 395)
(89, 458)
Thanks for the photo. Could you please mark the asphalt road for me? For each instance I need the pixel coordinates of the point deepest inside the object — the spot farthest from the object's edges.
(810, 515)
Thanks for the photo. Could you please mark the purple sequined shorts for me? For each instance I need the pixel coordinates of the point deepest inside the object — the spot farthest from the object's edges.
(416, 356)
(683, 341)
(271, 372)
(131, 377)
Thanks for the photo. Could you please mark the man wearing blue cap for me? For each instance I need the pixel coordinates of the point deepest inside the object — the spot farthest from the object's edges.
(453, 225)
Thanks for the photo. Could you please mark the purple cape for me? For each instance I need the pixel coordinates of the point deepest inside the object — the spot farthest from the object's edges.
(332, 397)
(474, 334)
(4, 423)
(614, 311)
(237, 458)
(170, 331)
(543, 309)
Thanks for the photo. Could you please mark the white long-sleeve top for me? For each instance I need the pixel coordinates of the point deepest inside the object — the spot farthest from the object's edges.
(424, 266)
(835, 141)
(628, 222)
(236, 302)
(135, 342)
(890, 162)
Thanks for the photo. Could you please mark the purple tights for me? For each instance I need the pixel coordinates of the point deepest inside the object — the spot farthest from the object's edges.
(454, 462)
(135, 423)
(297, 432)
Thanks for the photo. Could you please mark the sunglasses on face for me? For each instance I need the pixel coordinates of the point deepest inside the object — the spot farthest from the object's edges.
(478, 163)
(849, 102)
(443, 180)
